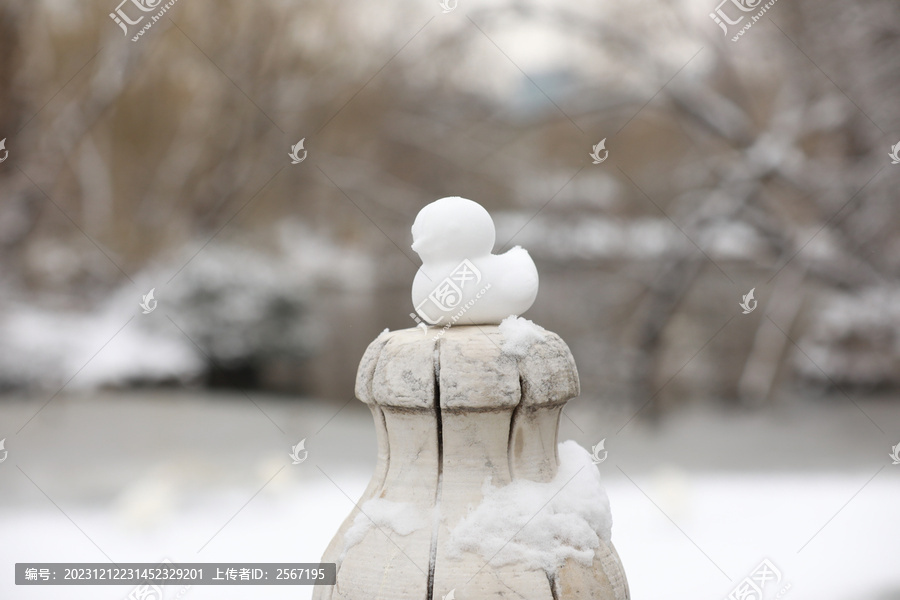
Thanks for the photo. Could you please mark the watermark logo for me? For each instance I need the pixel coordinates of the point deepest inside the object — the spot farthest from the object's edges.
(148, 303)
(421, 323)
(123, 20)
(751, 587)
(895, 153)
(147, 6)
(6, 452)
(451, 595)
(296, 450)
(747, 299)
(146, 591)
(895, 454)
(449, 293)
(296, 159)
(723, 20)
(596, 450)
(6, 152)
(596, 152)
(448, 5)
(149, 591)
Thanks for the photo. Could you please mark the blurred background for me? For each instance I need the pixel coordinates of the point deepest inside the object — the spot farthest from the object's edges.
(162, 164)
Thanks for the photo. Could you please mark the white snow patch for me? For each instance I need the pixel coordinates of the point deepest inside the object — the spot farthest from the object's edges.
(733, 240)
(48, 348)
(317, 258)
(856, 338)
(400, 517)
(739, 517)
(540, 525)
(607, 238)
(234, 301)
(519, 335)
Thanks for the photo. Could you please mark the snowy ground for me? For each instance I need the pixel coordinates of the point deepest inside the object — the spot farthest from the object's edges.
(184, 477)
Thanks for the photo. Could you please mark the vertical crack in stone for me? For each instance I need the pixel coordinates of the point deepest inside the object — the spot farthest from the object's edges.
(555, 444)
(554, 593)
(510, 449)
(436, 516)
(387, 459)
(378, 492)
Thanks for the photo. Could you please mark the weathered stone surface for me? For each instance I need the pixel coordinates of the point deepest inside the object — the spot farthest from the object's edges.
(604, 579)
(404, 371)
(336, 546)
(548, 372)
(451, 411)
(385, 564)
(532, 442)
(474, 372)
(366, 372)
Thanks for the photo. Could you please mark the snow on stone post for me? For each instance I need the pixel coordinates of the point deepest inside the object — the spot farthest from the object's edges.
(471, 496)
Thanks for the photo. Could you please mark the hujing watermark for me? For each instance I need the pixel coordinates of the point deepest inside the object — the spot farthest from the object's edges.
(723, 20)
(295, 452)
(596, 450)
(595, 153)
(296, 159)
(149, 591)
(123, 20)
(746, 301)
(894, 153)
(462, 311)
(752, 586)
(148, 303)
(448, 295)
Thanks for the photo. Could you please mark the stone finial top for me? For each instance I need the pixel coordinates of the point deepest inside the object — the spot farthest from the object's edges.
(475, 368)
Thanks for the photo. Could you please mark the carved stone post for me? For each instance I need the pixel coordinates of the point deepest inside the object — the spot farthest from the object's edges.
(452, 411)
